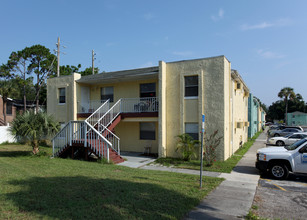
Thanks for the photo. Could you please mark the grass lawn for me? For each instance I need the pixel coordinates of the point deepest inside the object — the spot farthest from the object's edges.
(33, 187)
(219, 166)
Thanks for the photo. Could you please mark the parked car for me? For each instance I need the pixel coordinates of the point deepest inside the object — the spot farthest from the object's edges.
(268, 123)
(279, 161)
(284, 132)
(287, 140)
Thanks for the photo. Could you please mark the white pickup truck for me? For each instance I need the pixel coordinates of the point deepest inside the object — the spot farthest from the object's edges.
(279, 161)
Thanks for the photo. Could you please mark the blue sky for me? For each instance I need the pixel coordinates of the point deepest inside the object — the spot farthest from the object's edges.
(264, 40)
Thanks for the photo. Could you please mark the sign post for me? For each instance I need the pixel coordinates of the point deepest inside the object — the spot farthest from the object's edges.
(201, 151)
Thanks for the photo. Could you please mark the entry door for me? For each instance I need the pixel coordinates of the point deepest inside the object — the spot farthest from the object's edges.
(85, 99)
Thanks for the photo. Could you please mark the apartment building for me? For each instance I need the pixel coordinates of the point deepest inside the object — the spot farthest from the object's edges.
(148, 108)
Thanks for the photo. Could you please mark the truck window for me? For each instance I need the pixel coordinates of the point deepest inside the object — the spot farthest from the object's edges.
(296, 144)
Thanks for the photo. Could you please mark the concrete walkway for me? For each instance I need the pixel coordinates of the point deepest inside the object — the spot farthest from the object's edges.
(232, 199)
(135, 160)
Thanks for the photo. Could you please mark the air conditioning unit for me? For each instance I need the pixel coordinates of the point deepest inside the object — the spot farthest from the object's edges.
(246, 94)
(246, 124)
(239, 124)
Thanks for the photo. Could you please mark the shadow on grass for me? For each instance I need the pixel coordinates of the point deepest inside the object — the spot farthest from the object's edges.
(15, 153)
(89, 198)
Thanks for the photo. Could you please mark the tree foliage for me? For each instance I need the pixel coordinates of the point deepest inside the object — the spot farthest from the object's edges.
(30, 67)
(290, 102)
(42, 62)
(186, 146)
(211, 142)
(34, 127)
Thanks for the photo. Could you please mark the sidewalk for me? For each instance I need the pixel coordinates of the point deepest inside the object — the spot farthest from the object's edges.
(234, 197)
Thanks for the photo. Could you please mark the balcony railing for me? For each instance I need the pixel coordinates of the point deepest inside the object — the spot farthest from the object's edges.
(127, 105)
(89, 106)
(137, 105)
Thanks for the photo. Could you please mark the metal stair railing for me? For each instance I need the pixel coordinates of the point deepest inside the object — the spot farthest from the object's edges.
(99, 113)
(72, 132)
(81, 132)
(99, 144)
(111, 114)
(110, 136)
(105, 121)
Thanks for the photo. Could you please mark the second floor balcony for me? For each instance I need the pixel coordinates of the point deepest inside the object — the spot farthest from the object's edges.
(128, 106)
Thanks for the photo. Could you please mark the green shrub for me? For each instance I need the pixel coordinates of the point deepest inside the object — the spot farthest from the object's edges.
(186, 145)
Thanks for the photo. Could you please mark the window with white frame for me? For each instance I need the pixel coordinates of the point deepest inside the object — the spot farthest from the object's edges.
(147, 131)
(62, 96)
(107, 93)
(192, 130)
(191, 86)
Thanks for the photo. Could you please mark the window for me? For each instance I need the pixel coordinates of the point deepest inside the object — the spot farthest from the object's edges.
(191, 86)
(192, 129)
(295, 136)
(148, 90)
(9, 108)
(147, 131)
(62, 96)
(107, 93)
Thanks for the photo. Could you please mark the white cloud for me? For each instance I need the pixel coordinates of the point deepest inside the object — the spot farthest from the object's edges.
(263, 25)
(110, 44)
(183, 53)
(269, 54)
(149, 16)
(219, 16)
(147, 64)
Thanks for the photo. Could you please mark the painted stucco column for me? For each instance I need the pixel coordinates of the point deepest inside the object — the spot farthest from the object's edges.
(162, 110)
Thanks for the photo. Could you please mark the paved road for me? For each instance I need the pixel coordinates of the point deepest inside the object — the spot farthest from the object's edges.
(286, 199)
(281, 199)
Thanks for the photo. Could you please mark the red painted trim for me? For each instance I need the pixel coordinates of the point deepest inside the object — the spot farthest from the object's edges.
(83, 115)
(141, 114)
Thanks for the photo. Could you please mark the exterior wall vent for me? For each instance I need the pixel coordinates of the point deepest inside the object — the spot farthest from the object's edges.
(238, 86)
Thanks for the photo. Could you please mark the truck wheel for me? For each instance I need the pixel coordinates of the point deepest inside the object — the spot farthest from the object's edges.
(279, 171)
(280, 143)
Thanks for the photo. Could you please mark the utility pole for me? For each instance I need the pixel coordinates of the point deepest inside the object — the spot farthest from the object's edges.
(58, 55)
(93, 58)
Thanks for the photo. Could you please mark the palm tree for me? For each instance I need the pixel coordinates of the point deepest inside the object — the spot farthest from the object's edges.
(286, 93)
(186, 145)
(34, 128)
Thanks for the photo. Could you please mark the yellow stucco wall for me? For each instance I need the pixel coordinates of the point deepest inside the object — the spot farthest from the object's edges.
(226, 146)
(212, 73)
(217, 99)
(259, 118)
(62, 112)
(129, 89)
(240, 111)
(129, 133)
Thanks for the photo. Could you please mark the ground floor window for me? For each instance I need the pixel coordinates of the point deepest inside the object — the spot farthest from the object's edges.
(192, 129)
(147, 131)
